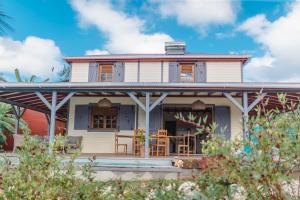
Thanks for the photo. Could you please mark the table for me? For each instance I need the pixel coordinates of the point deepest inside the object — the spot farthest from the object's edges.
(176, 137)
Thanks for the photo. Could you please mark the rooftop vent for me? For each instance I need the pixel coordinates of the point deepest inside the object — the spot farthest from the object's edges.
(175, 48)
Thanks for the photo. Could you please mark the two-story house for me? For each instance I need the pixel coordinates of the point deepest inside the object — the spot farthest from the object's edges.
(96, 116)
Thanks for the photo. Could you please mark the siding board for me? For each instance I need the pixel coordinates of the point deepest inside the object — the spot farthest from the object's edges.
(224, 71)
(80, 72)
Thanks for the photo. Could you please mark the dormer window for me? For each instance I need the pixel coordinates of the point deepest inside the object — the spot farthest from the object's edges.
(105, 72)
(187, 73)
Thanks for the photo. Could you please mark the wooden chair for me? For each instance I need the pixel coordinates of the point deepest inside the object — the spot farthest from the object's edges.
(161, 145)
(136, 143)
(117, 145)
(185, 147)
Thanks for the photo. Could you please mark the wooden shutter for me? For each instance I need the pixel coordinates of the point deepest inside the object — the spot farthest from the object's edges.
(81, 118)
(223, 119)
(173, 72)
(155, 119)
(118, 72)
(200, 72)
(93, 72)
(126, 117)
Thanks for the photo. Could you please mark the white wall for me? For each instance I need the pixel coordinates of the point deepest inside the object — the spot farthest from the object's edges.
(131, 71)
(150, 71)
(96, 142)
(80, 72)
(224, 71)
(103, 142)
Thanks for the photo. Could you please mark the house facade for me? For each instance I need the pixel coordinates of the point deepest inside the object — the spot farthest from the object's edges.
(90, 117)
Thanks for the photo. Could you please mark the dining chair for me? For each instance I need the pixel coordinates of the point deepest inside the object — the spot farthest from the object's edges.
(117, 145)
(185, 147)
(161, 145)
(136, 142)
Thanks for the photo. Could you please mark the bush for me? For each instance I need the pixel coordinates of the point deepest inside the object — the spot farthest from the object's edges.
(260, 166)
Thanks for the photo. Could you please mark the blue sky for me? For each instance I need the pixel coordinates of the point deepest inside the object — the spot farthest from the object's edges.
(47, 30)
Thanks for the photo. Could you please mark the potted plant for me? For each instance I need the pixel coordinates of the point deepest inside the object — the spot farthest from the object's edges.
(142, 140)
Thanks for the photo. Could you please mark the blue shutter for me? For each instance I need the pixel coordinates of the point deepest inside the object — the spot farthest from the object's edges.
(155, 119)
(173, 72)
(200, 72)
(126, 117)
(223, 119)
(118, 73)
(81, 119)
(93, 72)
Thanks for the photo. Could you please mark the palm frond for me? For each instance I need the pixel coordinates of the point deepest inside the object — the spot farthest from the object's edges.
(32, 79)
(4, 25)
(17, 75)
(2, 79)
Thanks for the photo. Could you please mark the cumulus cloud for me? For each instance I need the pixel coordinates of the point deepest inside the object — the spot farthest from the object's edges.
(34, 55)
(125, 34)
(96, 52)
(199, 14)
(281, 42)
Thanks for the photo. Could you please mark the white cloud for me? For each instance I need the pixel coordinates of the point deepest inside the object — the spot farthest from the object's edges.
(32, 56)
(199, 14)
(281, 41)
(126, 34)
(96, 52)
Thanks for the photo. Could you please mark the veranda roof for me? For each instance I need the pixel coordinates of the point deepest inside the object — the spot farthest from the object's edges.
(24, 94)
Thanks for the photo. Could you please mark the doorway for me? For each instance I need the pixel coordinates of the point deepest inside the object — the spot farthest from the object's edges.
(177, 127)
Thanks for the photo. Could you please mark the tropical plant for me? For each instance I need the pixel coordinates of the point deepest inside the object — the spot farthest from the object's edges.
(31, 79)
(2, 79)
(4, 25)
(8, 122)
(65, 74)
(261, 166)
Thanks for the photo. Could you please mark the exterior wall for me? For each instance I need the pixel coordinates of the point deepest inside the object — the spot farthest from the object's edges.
(103, 142)
(165, 72)
(97, 142)
(153, 72)
(150, 71)
(80, 72)
(224, 71)
(131, 72)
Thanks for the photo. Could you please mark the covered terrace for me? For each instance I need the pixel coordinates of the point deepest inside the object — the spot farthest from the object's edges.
(52, 98)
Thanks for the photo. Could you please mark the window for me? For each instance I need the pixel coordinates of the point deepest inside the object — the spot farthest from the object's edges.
(104, 118)
(105, 73)
(187, 73)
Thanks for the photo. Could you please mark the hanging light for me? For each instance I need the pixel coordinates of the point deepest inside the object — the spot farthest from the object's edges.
(104, 103)
(198, 105)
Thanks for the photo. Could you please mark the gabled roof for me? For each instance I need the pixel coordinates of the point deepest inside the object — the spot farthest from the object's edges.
(159, 57)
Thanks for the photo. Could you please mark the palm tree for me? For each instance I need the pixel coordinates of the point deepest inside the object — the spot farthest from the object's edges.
(4, 25)
(31, 79)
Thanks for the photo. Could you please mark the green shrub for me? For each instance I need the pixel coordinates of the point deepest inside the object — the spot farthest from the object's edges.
(260, 166)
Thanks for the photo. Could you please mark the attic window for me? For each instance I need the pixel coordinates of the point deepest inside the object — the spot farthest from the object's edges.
(187, 73)
(105, 73)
